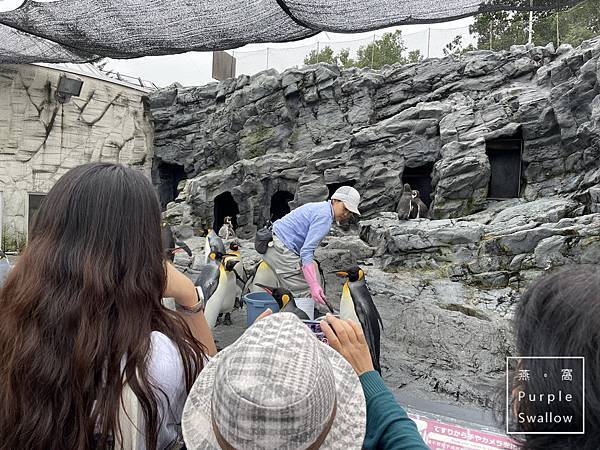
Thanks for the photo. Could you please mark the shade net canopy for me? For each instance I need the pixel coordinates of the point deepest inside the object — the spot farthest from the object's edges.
(84, 30)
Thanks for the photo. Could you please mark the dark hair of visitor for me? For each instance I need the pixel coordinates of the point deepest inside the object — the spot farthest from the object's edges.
(559, 315)
(81, 301)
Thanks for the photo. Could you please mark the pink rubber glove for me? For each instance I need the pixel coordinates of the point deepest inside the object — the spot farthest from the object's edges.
(316, 291)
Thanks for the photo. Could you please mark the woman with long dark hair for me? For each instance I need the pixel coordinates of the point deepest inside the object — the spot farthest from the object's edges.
(82, 326)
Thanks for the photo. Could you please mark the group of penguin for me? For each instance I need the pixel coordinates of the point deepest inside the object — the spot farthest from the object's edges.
(410, 205)
(222, 279)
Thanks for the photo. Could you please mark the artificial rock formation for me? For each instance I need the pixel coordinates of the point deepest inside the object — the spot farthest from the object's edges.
(446, 288)
(308, 128)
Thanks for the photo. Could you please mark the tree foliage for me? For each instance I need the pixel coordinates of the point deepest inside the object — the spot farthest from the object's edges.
(499, 30)
(455, 47)
(389, 49)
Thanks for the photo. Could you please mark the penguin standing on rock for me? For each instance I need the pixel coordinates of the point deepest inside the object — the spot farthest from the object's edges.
(404, 204)
(285, 300)
(357, 304)
(226, 231)
(418, 209)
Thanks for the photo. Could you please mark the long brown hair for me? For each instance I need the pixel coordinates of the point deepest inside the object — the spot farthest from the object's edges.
(77, 311)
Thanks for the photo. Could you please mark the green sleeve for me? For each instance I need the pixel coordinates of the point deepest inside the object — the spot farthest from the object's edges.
(388, 426)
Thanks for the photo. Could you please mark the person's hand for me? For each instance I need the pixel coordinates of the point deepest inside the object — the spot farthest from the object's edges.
(316, 291)
(267, 312)
(346, 336)
(317, 294)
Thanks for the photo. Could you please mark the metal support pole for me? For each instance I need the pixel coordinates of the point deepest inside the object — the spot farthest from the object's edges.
(530, 30)
(373, 52)
(428, 40)
(267, 57)
(318, 51)
(557, 32)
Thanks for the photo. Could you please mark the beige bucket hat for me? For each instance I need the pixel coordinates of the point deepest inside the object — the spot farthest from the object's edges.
(276, 387)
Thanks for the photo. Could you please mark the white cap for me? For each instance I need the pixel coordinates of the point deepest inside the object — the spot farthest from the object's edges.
(349, 197)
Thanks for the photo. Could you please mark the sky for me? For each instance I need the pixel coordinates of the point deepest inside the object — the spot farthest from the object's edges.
(194, 68)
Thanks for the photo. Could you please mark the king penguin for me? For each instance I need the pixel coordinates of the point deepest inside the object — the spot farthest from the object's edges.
(212, 244)
(264, 275)
(404, 204)
(212, 280)
(240, 272)
(285, 300)
(229, 295)
(357, 304)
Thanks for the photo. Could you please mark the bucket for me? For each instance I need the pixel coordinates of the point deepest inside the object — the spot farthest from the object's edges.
(257, 302)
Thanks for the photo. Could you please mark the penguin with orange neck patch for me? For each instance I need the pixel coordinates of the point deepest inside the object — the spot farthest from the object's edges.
(285, 300)
(357, 304)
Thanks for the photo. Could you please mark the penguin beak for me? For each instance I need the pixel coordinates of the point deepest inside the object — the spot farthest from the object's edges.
(268, 289)
(230, 254)
(341, 274)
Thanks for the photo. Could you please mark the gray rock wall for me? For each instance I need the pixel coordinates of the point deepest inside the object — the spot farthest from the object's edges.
(447, 288)
(41, 139)
(306, 128)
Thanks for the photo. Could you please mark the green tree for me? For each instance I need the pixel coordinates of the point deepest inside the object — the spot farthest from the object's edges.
(414, 56)
(499, 30)
(323, 56)
(389, 49)
(343, 58)
(455, 47)
(386, 50)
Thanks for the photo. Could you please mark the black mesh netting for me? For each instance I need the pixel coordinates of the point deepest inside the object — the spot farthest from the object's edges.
(82, 30)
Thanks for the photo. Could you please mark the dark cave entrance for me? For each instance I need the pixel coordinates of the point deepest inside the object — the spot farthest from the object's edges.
(332, 187)
(225, 206)
(504, 155)
(166, 177)
(419, 178)
(280, 204)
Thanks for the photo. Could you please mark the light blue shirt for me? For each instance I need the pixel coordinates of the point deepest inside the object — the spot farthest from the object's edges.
(304, 228)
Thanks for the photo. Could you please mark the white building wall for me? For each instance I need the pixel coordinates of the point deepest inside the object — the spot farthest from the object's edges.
(41, 139)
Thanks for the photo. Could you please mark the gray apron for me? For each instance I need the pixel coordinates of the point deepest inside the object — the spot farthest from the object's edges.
(288, 267)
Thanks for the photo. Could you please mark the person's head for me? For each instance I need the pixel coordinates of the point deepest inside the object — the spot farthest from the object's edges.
(277, 386)
(78, 309)
(345, 202)
(558, 316)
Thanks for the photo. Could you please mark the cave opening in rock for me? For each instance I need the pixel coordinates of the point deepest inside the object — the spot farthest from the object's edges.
(34, 204)
(166, 177)
(332, 187)
(225, 206)
(280, 204)
(504, 155)
(419, 178)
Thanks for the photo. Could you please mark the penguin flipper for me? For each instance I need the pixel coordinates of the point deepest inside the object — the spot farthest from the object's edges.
(208, 279)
